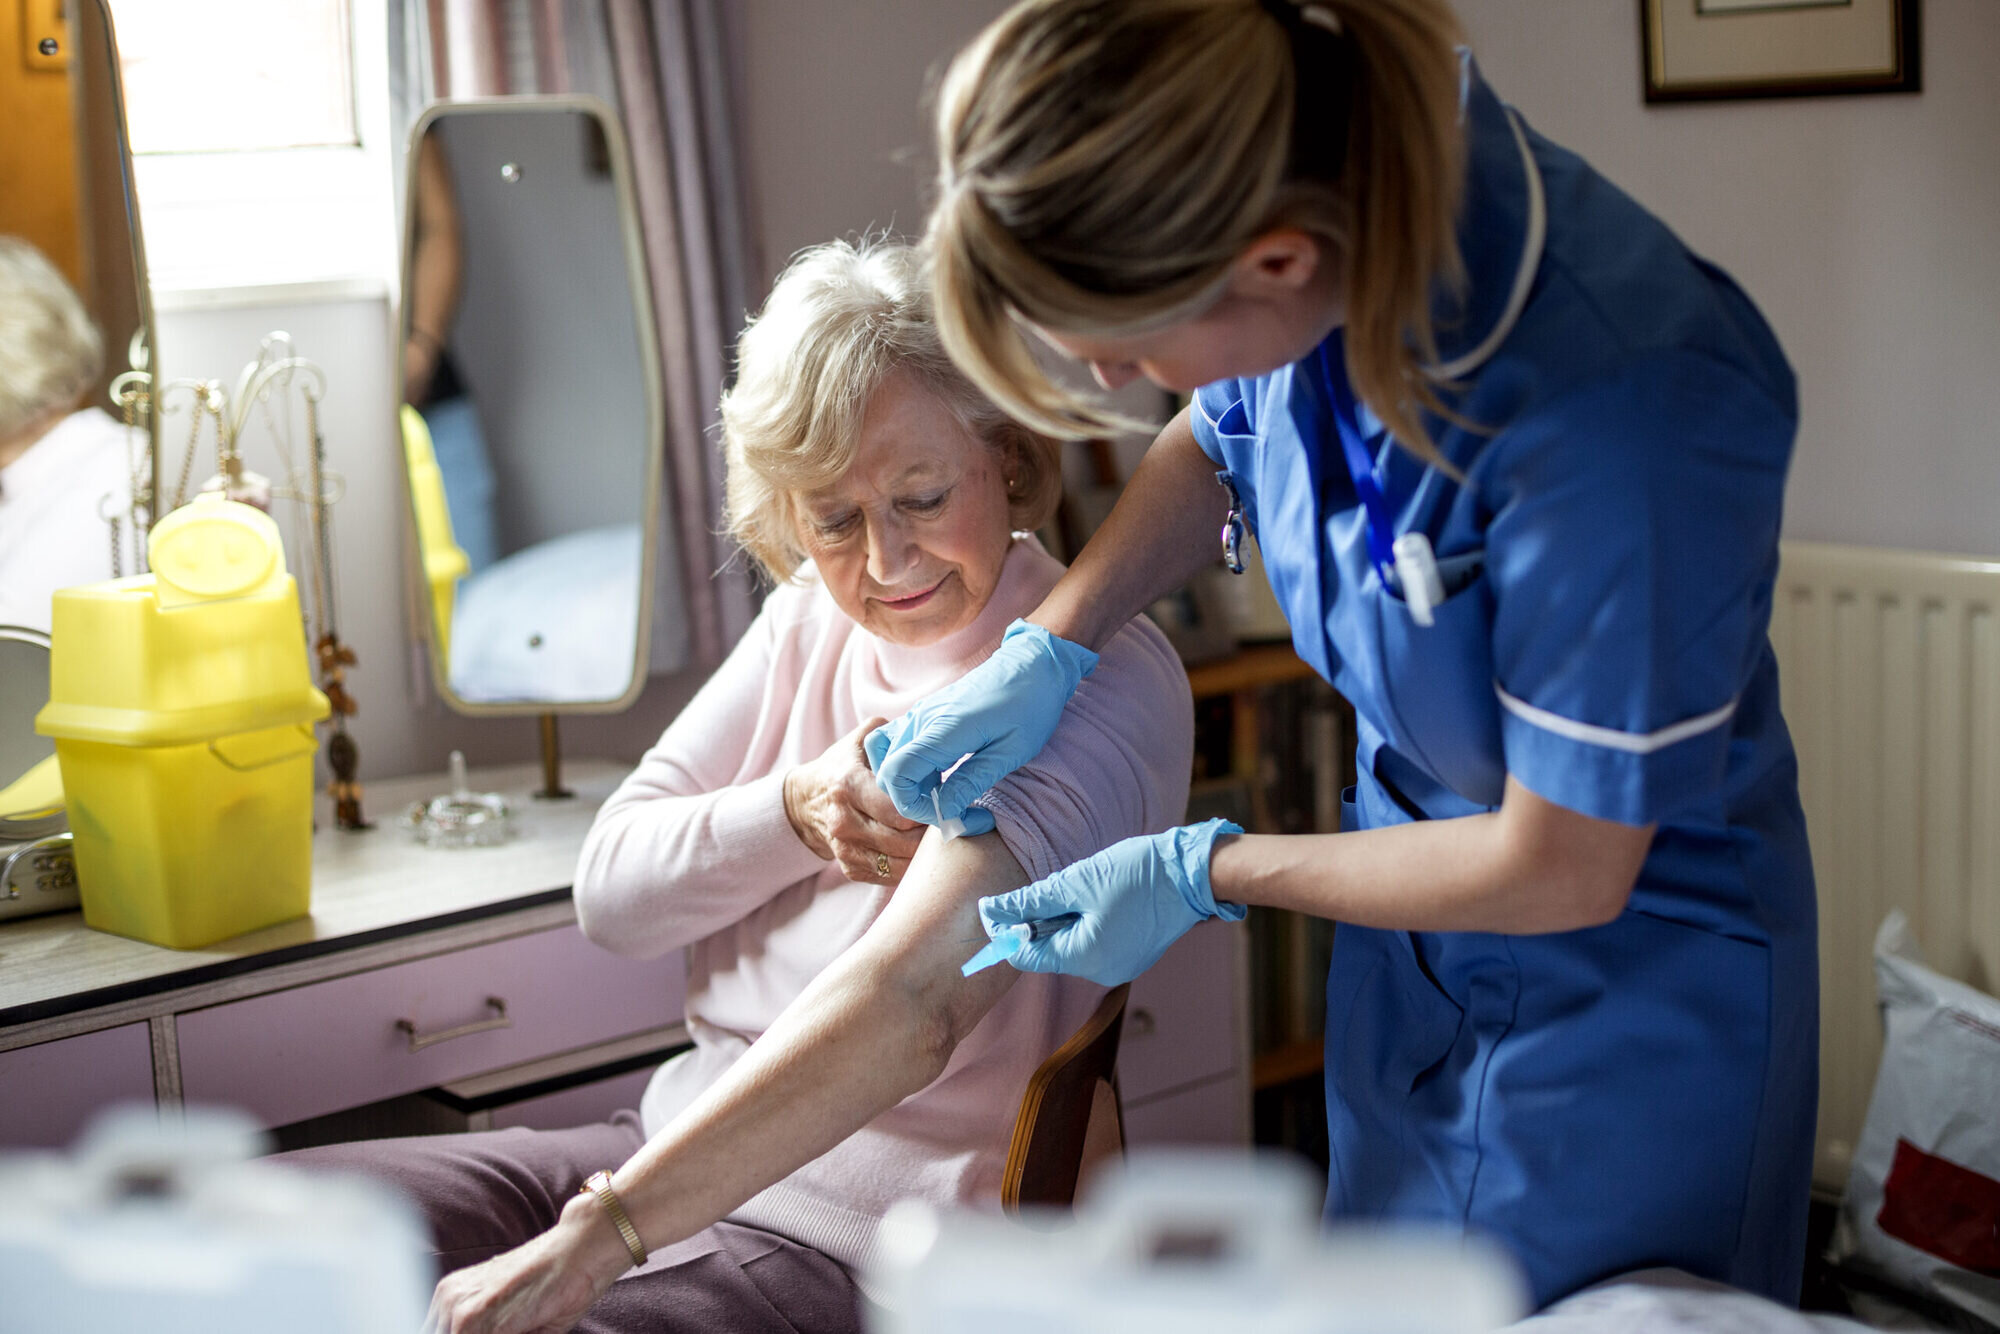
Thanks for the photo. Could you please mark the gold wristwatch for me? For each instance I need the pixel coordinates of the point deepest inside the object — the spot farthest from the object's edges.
(599, 1184)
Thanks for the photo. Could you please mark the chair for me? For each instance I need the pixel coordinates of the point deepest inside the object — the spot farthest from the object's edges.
(1069, 1118)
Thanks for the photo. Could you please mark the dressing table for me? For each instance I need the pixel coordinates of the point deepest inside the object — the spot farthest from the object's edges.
(417, 967)
(462, 968)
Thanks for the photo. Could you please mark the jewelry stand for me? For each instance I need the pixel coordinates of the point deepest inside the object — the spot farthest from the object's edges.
(267, 386)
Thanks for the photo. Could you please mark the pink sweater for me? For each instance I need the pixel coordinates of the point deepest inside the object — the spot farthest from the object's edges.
(694, 850)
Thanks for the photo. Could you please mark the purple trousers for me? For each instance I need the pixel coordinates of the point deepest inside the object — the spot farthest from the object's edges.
(486, 1193)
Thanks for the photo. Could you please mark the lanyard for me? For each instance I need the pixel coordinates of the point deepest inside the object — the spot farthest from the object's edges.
(1409, 557)
(1346, 421)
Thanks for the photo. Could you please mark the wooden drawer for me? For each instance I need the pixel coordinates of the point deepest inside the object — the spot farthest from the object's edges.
(49, 1092)
(332, 1045)
(1182, 1023)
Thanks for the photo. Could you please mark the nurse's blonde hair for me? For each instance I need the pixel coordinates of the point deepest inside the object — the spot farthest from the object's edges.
(840, 320)
(1102, 163)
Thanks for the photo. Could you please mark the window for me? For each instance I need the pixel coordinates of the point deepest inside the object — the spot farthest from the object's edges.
(260, 140)
(239, 75)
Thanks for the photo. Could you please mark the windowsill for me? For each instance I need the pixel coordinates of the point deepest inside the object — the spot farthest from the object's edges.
(174, 300)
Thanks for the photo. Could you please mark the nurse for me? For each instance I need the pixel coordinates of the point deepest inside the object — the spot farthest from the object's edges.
(1514, 458)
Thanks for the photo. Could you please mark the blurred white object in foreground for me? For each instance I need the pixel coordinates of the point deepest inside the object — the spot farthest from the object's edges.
(1185, 1240)
(166, 1228)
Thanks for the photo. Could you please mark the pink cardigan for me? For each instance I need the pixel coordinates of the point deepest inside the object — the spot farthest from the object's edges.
(693, 850)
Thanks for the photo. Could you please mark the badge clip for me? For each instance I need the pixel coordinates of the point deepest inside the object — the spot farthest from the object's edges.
(1232, 526)
(1417, 571)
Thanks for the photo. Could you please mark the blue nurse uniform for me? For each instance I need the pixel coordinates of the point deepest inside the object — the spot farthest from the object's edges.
(1640, 1093)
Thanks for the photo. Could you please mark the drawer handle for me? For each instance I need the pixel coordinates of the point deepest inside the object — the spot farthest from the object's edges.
(419, 1041)
(1142, 1022)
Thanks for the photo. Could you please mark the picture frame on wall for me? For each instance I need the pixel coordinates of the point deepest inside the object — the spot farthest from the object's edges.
(1707, 50)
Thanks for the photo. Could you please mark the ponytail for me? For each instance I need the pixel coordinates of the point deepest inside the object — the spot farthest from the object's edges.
(1403, 179)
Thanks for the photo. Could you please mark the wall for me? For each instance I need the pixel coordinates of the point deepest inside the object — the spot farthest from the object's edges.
(1863, 226)
(836, 112)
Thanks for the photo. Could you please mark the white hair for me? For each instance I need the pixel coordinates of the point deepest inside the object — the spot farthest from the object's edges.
(839, 321)
(50, 351)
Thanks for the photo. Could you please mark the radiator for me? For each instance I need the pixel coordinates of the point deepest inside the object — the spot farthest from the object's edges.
(1889, 670)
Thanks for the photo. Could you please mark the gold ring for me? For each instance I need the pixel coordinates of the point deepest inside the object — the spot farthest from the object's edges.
(882, 865)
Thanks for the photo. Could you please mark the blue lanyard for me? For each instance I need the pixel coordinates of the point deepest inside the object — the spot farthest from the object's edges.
(1346, 421)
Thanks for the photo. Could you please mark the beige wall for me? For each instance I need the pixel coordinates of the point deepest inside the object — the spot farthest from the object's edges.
(837, 128)
(1867, 228)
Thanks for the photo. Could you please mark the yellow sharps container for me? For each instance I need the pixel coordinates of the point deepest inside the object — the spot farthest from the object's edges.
(182, 709)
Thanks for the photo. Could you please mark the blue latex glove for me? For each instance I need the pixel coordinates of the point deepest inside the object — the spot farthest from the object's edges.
(1001, 713)
(1136, 898)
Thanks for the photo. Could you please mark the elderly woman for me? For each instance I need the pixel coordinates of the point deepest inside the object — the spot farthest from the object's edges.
(62, 469)
(840, 1061)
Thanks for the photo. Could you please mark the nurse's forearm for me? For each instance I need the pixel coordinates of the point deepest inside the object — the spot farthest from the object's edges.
(1530, 867)
(1162, 532)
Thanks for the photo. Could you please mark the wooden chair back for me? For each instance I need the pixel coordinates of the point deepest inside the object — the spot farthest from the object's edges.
(1069, 1118)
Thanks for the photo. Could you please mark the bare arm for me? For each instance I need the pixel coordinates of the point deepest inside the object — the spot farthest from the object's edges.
(436, 269)
(1161, 533)
(878, 1025)
(1530, 867)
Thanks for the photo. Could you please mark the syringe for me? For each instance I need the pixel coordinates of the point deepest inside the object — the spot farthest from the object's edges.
(1008, 940)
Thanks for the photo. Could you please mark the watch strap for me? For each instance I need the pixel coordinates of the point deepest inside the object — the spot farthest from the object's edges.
(599, 1184)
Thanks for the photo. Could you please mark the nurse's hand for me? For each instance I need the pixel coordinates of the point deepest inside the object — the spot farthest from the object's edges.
(1001, 714)
(842, 816)
(1134, 899)
(545, 1284)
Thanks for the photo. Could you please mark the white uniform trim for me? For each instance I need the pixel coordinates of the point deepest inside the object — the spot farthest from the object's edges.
(1202, 412)
(1524, 272)
(1634, 743)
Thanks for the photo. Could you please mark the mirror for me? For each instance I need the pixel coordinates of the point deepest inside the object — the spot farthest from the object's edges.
(531, 417)
(30, 785)
(37, 873)
(74, 478)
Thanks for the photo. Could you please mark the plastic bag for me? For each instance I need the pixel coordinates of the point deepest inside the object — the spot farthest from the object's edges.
(1922, 1208)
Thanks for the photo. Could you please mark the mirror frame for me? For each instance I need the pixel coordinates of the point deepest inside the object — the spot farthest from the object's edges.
(98, 13)
(640, 282)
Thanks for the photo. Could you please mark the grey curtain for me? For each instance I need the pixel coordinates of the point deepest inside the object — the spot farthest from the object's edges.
(668, 66)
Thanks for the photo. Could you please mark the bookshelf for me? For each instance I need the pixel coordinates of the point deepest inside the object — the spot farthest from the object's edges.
(1286, 1064)
(1247, 669)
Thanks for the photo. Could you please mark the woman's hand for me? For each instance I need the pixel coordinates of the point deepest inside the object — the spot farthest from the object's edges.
(543, 1285)
(839, 813)
(1132, 901)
